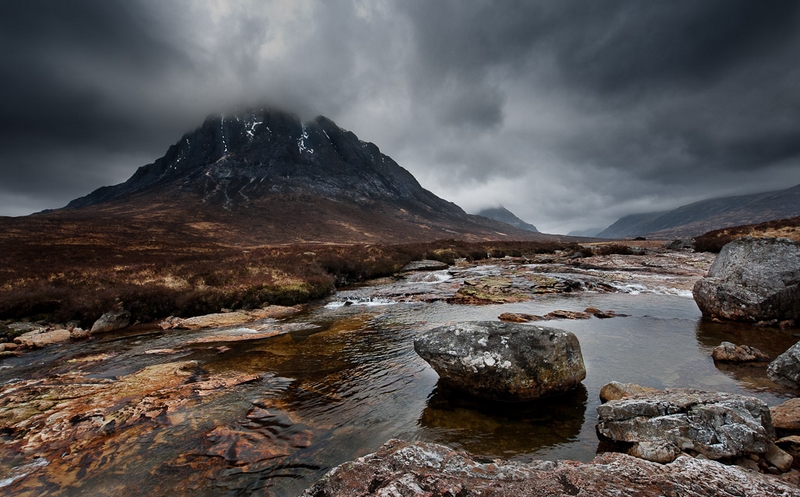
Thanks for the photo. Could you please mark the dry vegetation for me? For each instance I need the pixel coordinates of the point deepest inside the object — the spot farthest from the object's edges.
(713, 241)
(80, 277)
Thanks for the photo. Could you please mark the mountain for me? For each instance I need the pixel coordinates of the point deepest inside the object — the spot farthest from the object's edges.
(506, 216)
(706, 215)
(589, 233)
(264, 177)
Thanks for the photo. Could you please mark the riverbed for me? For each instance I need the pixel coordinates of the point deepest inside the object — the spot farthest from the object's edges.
(154, 412)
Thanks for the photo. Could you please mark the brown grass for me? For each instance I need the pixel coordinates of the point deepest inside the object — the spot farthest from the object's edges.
(79, 277)
(713, 241)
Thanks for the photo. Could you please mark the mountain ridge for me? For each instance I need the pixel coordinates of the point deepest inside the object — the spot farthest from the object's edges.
(706, 215)
(506, 216)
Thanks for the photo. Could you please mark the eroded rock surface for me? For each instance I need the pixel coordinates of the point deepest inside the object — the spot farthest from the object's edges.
(503, 361)
(753, 280)
(729, 352)
(786, 367)
(424, 469)
(717, 425)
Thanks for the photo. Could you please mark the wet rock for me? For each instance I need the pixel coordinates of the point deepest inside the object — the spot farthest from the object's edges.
(424, 265)
(8, 346)
(38, 339)
(112, 320)
(503, 361)
(717, 425)
(426, 469)
(786, 367)
(222, 319)
(753, 280)
(729, 352)
(489, 290)
(616, 390)
(786, 416)
(513, 317)
(78, 333)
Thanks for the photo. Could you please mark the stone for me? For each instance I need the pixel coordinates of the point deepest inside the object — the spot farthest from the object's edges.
(223, 319)
(790, 444)
(616, 390)
(38, 339)
(786, 367)
(503, 361)
(786, 416)
(426, 469)
(424, 265)
(657, 451)
(779, 458)
(112, 320)
(752, 280)
(717, 425)
(78, 333)
(729, 352)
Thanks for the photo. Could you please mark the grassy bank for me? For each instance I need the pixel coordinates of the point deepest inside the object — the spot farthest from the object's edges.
(82, 280)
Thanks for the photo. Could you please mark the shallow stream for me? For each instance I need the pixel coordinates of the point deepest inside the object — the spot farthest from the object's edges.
(345, 378)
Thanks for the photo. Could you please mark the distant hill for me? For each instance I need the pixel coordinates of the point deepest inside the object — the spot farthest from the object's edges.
(506, 216)
(707, 215)
(590, 233)
(265, 177)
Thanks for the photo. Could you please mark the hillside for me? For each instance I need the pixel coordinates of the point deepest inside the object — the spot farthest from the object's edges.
(707, 215)
(506, 216)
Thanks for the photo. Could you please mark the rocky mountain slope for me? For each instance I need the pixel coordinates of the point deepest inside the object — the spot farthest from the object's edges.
(706, 215)
(506, 216)
(265, 177)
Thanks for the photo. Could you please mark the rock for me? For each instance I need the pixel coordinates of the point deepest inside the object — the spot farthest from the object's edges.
(424, 265)
(223, 319)
(728, 352)
(680, 244)
(515, 317)
(38, 339)
(786, 416)
(778, 458)
(616, 390)
(425, 469)
(786, 367)
(752, 280)
(78, 333)
(503, 361)
(790, 444)
(657, 451)
(112, 320)
(9, 346)
(717, 425)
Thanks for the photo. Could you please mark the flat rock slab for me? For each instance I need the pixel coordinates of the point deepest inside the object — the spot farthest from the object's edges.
(223, 319)
(663, 423)
(503, 361)
(425, 469)
(424, 265)
(38, 339)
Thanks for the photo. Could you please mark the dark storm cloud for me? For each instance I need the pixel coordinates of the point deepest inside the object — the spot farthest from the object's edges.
(569, 113)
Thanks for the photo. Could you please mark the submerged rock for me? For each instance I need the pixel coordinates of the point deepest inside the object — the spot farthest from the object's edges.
(753, 280)
(426, 469)
(729, 352)
(503, 361)
(717, 425)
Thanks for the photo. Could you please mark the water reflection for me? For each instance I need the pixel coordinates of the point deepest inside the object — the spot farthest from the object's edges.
(751, 375)
(501, 429)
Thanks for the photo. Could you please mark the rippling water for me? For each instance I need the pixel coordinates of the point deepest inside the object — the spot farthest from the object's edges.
(346, 379)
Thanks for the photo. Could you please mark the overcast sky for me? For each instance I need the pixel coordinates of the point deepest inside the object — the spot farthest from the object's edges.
(569, 113)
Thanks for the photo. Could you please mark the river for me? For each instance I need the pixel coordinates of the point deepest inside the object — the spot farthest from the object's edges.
(270, 416)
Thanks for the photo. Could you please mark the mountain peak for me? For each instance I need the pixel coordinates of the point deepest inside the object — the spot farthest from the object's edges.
(504, 215)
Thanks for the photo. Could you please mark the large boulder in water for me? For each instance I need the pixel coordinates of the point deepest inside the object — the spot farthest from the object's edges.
(753, 279)
(503, 361)
(661, 424)
(786, 367)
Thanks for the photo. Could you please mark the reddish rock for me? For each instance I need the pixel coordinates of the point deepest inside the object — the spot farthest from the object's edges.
(431, 470)
(616, 390)
(37, 339)
(786, 416)
(729, 352)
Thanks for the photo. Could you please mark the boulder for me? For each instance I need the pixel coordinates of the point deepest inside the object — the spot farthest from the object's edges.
(729, 352)
(786, 367)
(616, 390)
(38, 339)
(717, 425)
(112, 320)
(786, 416)
(426, 469)
(503, 361)
(752, 280)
